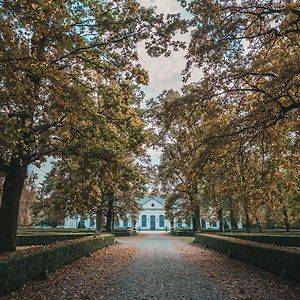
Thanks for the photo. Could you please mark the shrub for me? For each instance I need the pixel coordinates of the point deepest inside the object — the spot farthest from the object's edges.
(20, 267)
(183, 232)
(280, 240)
(47, 238)
(124, 232)
(271, 258)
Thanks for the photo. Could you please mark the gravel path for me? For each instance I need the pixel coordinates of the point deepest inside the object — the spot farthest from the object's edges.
(159, 271)
(158, 266)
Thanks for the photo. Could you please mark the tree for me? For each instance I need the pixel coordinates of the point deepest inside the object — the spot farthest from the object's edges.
(248, 49)
(58, 62)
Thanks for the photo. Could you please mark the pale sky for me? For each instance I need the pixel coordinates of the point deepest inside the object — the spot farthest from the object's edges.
(164, 72)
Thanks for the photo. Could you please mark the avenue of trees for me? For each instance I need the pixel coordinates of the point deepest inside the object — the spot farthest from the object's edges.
(69, 89)
(230, 142)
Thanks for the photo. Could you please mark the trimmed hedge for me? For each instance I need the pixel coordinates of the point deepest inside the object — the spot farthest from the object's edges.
(19, 267)
(129, 232)
(182, 232)
(280, 240)
(32, 231)
(271, 258)
(46, 239)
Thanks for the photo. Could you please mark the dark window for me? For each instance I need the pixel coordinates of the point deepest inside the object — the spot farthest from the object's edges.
(188, 224)
(152, 204)
(81, 224)
(161, 221)
(125, 223)
(179, 223)
(117, 224)
(144, 221)
(92, 222)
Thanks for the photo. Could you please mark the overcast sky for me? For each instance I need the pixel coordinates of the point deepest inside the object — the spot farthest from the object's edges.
(164, 72)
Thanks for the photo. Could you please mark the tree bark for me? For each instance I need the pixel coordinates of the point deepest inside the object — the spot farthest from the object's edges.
(233, 224)
(109, 217)
(9, 210)
(172, 224)
(113, 221)
(286, 220)
(196, 218)
(258, 225)
(247, 221)
(220, 218)
(99, 219)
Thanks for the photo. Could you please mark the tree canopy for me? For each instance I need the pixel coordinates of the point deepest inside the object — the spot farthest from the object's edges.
(234, 134)
(69, 85)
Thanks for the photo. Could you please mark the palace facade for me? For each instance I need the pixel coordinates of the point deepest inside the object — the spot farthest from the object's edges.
(151, 217)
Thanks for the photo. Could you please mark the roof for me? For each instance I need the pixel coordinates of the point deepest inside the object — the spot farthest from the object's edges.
(146, 199)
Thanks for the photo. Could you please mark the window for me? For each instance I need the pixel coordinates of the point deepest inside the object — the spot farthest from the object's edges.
(144, 221)
(161, 221)
(179, 223)
(92, 222)
(125, 223)
(188, 224)
(117, 224)
(152, 204)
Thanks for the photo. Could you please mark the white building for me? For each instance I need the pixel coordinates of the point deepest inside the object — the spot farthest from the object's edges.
(151, 217)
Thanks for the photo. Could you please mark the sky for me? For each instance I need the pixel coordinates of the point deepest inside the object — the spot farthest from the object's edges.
(164, 72)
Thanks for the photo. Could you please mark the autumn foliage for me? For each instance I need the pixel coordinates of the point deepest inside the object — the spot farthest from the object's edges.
(69, 89)
(230, 141)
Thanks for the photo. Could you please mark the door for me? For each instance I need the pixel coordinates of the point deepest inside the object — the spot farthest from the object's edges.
(152, 222)
(161, 221)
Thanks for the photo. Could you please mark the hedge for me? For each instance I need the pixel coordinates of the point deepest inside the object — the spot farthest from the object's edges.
(31, 231)
(182, 232)
(271, 258)
(124, 232)
(280, 240)
(19, 267)
(46, 239)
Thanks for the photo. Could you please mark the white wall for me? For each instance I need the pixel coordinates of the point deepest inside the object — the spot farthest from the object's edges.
(152, 212)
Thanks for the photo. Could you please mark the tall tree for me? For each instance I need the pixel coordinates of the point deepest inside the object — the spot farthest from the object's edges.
(58, 62)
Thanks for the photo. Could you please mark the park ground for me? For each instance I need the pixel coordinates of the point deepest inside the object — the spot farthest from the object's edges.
(158, 266)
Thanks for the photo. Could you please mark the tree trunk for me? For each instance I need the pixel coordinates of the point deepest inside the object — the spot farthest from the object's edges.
(9, 210)
(220, 218)
(172, 224)
(109, 217)
(286, 220)
(233, 224)
(247, 221)
(196, 218)
(113, 221)
(258, 225)
(99, 219)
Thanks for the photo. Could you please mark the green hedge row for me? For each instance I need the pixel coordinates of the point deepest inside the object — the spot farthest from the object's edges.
(280, 240)
(23, 231)
(182, 232)
(275, 259)
(124, 232)
(46, 239)
(20, 267)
